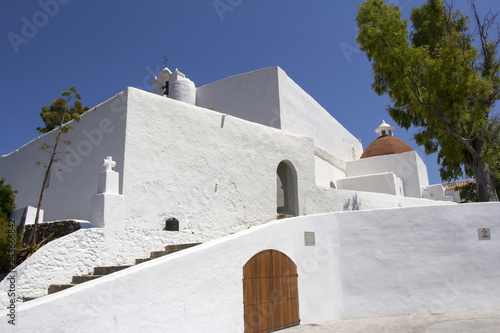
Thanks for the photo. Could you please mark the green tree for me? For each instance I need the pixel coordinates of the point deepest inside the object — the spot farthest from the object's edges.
(468, 192)
(7, 199)
(7, 232)
(440, 80)
(55, 118)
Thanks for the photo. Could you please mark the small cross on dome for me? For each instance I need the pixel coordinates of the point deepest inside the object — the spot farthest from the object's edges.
(109, 163)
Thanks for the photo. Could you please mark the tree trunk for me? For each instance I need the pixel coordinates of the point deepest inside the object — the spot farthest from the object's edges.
(45, 178)
(485, 186)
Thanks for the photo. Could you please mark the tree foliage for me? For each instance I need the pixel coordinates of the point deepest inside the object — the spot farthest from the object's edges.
(7, 249)
(468, 192)
(440, 80)
(56, 118)
(7, 199)
(60, 112)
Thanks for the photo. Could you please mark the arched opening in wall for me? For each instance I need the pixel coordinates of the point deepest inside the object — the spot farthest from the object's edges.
(286, 190)
(270, 292)
(332, 184)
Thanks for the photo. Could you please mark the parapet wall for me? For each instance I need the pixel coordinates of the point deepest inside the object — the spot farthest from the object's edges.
(79, 252)
(363, 264)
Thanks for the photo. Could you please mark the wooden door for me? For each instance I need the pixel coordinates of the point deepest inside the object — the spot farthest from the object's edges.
(270, 292)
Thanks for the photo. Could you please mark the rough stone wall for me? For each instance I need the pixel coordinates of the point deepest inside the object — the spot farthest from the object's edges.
(51, 230)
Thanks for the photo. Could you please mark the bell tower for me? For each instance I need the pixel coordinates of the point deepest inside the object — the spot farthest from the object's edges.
(160, 84)
(175, 85)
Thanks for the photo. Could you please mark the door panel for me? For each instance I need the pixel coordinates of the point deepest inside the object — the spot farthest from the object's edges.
(270, 293)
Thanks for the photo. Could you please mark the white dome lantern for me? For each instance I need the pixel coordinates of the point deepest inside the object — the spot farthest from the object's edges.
(384, 129)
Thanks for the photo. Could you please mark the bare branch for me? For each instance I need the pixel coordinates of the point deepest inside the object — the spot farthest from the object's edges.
(483, 26)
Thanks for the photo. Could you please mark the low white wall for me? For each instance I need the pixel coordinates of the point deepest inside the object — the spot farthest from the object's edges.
(17, 215)
(436, 192)
(454, 194)
(366, 263)
(79, 252)
(419, 260)
(407, 166)
(386, 182)
(334, 200)
(326, 173)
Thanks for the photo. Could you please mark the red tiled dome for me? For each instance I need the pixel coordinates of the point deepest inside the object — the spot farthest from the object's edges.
(386, 145)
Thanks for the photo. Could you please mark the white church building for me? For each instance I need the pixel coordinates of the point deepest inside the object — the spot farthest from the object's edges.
(364, 234)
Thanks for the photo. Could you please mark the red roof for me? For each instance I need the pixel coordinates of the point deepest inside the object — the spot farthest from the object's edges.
(386, 145)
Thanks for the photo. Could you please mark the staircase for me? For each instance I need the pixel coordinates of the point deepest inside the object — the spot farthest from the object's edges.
(104, 270)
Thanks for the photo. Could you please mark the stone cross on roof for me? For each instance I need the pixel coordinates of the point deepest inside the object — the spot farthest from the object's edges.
(109, 163)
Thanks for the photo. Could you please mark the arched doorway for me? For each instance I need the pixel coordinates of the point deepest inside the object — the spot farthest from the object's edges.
(270, 292)
(286, 189)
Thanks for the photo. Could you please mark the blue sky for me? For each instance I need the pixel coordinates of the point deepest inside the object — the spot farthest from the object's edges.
(101, 47)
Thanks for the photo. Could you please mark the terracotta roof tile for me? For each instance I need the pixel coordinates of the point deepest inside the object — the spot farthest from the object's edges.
(386, 145)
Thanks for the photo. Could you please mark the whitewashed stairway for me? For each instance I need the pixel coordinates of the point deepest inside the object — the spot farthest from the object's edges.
(104, 270)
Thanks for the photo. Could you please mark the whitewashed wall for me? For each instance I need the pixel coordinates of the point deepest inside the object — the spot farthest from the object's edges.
(100, 133)
(301, 114)
(79, 252)
(454, 194)
(386, 182)
(269, 97)
(252, 96)
(188, 162)
(367, 263)
(211, 171)
(419, 260)
(334, 200)
(407, 166)
(326, 172)
(437, 192)
(181, 88)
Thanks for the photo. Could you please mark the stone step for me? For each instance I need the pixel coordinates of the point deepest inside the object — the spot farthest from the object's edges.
(168, 249)
(171, 249)
(141, 260)
(158, 254)
(84, 278)
(104, 270)
(178, 247)
(54, 288)
(27, 299)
